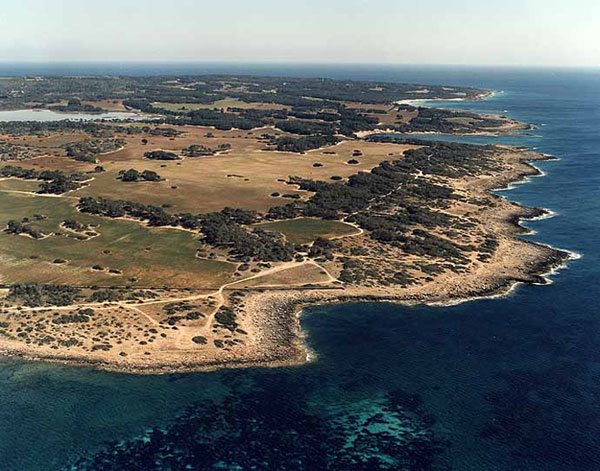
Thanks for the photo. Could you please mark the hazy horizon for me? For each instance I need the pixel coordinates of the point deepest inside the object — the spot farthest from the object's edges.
(298, 63)
(467, 32)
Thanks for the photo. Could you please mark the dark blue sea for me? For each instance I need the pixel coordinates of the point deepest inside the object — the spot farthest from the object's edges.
(503, 384)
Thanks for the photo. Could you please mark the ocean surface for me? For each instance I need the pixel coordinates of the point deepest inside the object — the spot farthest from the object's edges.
(499, 384)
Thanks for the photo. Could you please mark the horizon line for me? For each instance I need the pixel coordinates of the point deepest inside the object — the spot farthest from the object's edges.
(230, 62)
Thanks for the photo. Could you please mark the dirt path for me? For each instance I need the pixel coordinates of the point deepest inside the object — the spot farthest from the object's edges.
(135, 305)
(147, 316)
(220, 297)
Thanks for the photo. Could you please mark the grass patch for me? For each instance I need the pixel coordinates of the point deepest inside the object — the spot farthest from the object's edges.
(137, 255)
(304, 230)
(13, 184)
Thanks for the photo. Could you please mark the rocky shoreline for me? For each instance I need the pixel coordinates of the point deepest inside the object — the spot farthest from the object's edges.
(288, 309)
(278, 339)
(278, 313)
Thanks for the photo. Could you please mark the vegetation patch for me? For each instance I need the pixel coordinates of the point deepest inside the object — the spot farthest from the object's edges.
(52, 181)
(35, 294)
(198, 150)
(161, 155)
(133, 175)
(89, 149)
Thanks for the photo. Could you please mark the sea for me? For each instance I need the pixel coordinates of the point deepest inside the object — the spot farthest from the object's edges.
(510, 383)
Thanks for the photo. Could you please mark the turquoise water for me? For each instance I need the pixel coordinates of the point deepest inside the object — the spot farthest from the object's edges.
(503, 384)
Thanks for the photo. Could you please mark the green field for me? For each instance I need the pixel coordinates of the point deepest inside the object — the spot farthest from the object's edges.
(305, 230)
(13, 184)
(153, 257)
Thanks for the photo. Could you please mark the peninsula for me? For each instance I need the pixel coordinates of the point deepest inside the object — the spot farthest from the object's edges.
(191, 236)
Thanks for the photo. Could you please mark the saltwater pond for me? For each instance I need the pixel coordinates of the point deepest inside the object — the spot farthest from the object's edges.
(50, 115)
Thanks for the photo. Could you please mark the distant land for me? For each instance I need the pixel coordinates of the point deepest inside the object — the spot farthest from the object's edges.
(188, 232)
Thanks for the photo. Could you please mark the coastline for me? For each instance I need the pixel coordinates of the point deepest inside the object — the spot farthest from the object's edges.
(481, 96)
(510, 126)
(279, 339)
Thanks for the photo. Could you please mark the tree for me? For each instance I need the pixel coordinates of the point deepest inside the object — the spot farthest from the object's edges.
(130, 175)
(161, 155)
(150, 176)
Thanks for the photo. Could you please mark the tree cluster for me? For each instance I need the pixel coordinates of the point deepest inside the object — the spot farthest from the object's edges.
(133, 175)
(89, 149)
(303, 144)
(76, 105)
(36, 294)
(16, 228)
(198, 150)
(52, 181)
(161, 155)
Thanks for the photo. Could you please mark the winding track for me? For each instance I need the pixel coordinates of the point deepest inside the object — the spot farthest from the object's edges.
(218, 294)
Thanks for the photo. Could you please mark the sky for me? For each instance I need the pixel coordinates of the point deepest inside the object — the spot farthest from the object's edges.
(470, 32)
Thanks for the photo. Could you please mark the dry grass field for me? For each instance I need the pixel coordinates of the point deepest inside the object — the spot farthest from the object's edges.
(53, 142)
(244, 177)
(126, 253)
(108, 105)
(308, 273)
(224, 103)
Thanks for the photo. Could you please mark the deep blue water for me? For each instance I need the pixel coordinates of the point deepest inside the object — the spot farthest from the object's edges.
(504, 384)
